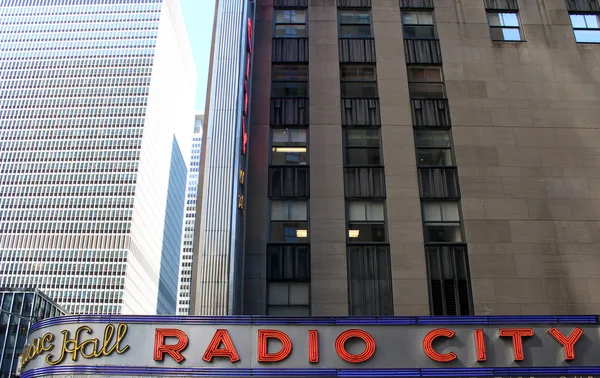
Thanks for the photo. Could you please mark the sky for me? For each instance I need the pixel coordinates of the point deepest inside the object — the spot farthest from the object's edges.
(199, 16)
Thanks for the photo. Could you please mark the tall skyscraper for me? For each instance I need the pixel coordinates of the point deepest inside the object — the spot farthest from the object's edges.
(419, 157)
(189, 221)
(96, 97)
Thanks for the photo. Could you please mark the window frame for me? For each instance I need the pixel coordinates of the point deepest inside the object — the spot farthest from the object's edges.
(597, 14)
(272, 146)
(340, 23)
(442, 222)
(358, 81)
(426, 67)
(272, 221)
(275, 23)
(345, 146)
(384, 222)
(288, 283)
(499, 12)
(274, 80)
(433, 25)
(433, 148)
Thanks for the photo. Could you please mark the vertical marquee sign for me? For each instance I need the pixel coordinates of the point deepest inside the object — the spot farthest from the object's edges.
(246, 107)
(243, 96)
(246, 86)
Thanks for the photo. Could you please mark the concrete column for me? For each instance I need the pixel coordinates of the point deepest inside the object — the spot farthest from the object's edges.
(405, 231)
(327, 209)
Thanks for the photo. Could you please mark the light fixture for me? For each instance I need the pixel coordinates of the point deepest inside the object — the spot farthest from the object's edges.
(301, 233)
(289, 149)
(353, 233)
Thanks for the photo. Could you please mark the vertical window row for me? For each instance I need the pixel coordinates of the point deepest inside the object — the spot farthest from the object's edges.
(368, 252)
(288, 248)
(445, 249)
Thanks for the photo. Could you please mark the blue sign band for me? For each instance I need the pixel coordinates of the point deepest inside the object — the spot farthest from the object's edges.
(272, 320)
(357, 373)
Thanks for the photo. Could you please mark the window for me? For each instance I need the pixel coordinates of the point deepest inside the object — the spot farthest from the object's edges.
(369, 281)
(362, 147)
(290, 23)
(289, 80)
(288, 147)
(355, 23)
(504, 26)
(449, 283)
(441, 222)
(289, 221)
(418, 25)
(586, 27)
(358, 81)
(288, 298)
(433, 148)
(425, 82)
(366, 222)
(288, 273)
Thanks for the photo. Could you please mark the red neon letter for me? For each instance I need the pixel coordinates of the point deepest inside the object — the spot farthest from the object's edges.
(249, 35)
(567, 343)
(244, 137)
(160, 348)
(480, 345)
(340, 346)
(248, 66)
(213, 350)
(517, 334)
(313, 346)
(263, 343)
(428, 348)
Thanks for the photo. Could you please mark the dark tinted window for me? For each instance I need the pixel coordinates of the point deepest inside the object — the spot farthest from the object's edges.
(290, 23)
(355, 72)
(355, 24)
(425, 82)
(418, 25)
(359, 90)
(289, 89)
(363, 156)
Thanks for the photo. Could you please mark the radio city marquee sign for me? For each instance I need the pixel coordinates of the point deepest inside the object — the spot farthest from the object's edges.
(206, 346)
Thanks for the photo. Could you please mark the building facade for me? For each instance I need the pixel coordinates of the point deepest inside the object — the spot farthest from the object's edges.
(19, 309)
(420, 157)
(95, 96)
(189, 221)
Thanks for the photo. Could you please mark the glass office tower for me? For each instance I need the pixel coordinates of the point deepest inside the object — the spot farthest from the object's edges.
(92, 95)
(189, 221)
(19, 308)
